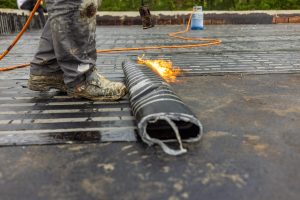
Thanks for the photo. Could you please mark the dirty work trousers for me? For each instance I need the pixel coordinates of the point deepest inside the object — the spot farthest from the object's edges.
(68, 44)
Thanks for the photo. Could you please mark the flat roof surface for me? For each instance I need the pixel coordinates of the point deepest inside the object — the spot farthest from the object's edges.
(245, 92)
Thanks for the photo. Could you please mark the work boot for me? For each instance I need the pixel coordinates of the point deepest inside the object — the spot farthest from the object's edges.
(47, 82)
(97, 88)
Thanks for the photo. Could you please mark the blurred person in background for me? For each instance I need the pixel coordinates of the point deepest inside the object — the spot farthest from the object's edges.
(29, 5)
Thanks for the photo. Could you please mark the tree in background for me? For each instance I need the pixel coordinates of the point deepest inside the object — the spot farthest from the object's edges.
(8, 4)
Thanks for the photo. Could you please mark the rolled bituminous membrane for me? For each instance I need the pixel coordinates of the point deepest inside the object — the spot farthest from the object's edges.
(162, 116)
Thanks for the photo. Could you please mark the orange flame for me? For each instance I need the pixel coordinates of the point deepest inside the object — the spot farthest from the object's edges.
(163, 67)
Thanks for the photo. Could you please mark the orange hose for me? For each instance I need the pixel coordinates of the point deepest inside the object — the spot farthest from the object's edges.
(22, 31)
(209, 41)
(15, 41)
(14, 67)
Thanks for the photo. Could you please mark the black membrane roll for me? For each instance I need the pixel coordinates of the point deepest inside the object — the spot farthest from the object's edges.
(161, 115)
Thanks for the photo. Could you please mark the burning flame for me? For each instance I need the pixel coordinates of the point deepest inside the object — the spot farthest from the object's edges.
(163, 67)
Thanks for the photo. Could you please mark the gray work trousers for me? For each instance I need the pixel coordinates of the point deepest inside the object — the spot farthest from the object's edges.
(68, 41)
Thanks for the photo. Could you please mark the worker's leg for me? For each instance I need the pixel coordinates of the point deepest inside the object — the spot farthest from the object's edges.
(58, 42)
(67, 42)
(44, 62)
(73, 26)
(45, 73)
(40, 11)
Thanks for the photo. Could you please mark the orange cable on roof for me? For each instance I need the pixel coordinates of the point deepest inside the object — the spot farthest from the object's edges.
(208, 41)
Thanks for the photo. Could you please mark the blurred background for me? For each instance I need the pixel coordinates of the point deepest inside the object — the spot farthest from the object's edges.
(133, 5)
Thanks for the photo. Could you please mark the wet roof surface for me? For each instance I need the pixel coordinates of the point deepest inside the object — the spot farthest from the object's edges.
(251, 122)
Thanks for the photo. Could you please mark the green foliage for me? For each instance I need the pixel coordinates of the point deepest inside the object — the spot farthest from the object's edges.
(268, 4)
(8, 4)
(125, 5)
(133, 5)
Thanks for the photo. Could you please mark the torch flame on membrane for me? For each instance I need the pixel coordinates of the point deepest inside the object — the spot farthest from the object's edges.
(163, 67)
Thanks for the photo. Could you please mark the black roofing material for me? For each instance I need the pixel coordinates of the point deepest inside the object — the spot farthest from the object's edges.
(47, 118)
(161, 115)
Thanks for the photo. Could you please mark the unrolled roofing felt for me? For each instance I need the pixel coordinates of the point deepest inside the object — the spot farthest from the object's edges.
(162, 116)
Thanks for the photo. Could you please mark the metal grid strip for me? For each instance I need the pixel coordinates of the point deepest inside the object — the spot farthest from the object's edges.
(28, 118)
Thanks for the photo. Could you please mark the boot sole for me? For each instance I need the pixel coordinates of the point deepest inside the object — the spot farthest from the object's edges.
(106, 98)
(43, 87)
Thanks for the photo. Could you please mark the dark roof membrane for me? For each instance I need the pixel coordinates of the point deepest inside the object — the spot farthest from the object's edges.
(162, 116)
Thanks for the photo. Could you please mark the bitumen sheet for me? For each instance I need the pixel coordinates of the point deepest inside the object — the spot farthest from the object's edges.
(251, 49)
(50, 118)
(28, 117)
(250, 149)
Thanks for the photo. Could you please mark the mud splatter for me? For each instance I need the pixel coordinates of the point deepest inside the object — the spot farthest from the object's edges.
(185, 195)
(217, 176)
(216, 134)
(178, 186)
(292, 104)
(254, 142)
(89, 8)
(217, 105)
(173, 198)
(73, 51)
(144, 157)
(97, 188)
(158, 187)
(108, 167)
(166, 169)
(77, 148)
(132, 153)
(127, 147)
(29, 162)
(284, 111)
(210, 136)
(83, 161)
(136, 162)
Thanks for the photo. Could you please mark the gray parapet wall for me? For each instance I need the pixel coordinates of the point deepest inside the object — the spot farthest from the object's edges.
(12, 21)
(210, 17)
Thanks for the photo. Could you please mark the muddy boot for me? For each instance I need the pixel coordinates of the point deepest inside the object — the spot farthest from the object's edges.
(98, 88)
(45, 83)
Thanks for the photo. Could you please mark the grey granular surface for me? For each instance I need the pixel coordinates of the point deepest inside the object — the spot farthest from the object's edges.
(250, 151)
(250, 148)
(255, 49)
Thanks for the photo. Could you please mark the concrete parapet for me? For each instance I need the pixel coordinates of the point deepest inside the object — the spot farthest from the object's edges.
(211, 17)
(13, 20)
